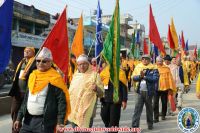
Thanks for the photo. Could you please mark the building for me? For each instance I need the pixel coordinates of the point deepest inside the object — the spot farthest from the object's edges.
(28, 25)
(31, 27)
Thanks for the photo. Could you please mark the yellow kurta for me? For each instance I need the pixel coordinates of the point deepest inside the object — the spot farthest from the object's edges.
(166, 80)
(82, 97)
(198, 85)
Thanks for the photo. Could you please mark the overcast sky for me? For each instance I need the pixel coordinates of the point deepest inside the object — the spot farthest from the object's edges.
(186, 13)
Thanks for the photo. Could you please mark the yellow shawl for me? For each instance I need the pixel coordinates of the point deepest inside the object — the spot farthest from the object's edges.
(166, 80)
(38, 80)
(139, 68)
(82, 97)
(198, 85)
(28, 65)
(105, 76)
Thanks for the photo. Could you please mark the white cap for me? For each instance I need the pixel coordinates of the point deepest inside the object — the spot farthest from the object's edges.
(159, 58)
(82, 58)
(45, 53)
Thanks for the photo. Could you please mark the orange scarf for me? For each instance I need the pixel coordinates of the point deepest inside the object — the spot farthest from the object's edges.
(38, 80)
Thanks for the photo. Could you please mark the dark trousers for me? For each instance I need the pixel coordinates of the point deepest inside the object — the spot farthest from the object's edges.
(142, 99)
(15, 106)
(34, 124)
(163, 95)
(129, 85)
(110, 114)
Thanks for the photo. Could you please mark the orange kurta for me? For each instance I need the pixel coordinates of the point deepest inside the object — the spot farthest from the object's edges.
(166, 81)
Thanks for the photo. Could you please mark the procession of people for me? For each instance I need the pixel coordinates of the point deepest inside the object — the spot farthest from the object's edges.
(42, 101)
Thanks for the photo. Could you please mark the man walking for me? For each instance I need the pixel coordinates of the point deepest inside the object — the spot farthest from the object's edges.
(146, 76)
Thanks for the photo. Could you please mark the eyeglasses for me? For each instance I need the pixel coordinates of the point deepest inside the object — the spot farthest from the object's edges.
(42, 61)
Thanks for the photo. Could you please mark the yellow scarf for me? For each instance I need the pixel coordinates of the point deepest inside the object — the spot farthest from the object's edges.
(105, 76)
(139, 68)
(28, 65)
(38, 80)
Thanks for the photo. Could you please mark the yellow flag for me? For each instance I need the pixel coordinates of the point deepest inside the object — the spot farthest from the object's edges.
(174, 34)
(77, 44)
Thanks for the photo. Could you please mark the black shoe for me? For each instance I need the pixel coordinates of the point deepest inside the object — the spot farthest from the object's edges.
(163, 118)
(155, 120)
(150, 127)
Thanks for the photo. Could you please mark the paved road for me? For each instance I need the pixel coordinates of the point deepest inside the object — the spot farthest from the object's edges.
(167, 126)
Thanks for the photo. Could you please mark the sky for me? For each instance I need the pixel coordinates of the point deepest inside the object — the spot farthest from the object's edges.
(184, 12)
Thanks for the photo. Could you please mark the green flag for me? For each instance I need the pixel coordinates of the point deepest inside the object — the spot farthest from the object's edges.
(111, 50)
(199, 53)
(133, 44)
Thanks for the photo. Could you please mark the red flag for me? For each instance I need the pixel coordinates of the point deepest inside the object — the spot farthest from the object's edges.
(154, 34)
(145, 50)
(195, 52)
(57, 42)
(170, 39)
(182, 41)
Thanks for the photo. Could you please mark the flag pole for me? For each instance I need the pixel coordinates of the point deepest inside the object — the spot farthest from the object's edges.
(91, 47)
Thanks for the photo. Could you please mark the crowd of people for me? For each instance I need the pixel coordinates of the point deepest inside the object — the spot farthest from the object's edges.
(42, 102)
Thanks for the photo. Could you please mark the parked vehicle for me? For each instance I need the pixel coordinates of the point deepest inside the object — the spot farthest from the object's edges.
(6, 77)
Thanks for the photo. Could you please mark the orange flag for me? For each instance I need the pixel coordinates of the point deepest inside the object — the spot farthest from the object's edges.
(77, 44)
(57, 40)
(174, 34)
(154, 34)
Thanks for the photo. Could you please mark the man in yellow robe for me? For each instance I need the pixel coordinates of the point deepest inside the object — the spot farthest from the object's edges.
(166, 85)
(193, 71)
(85, 86)
(198, 87)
